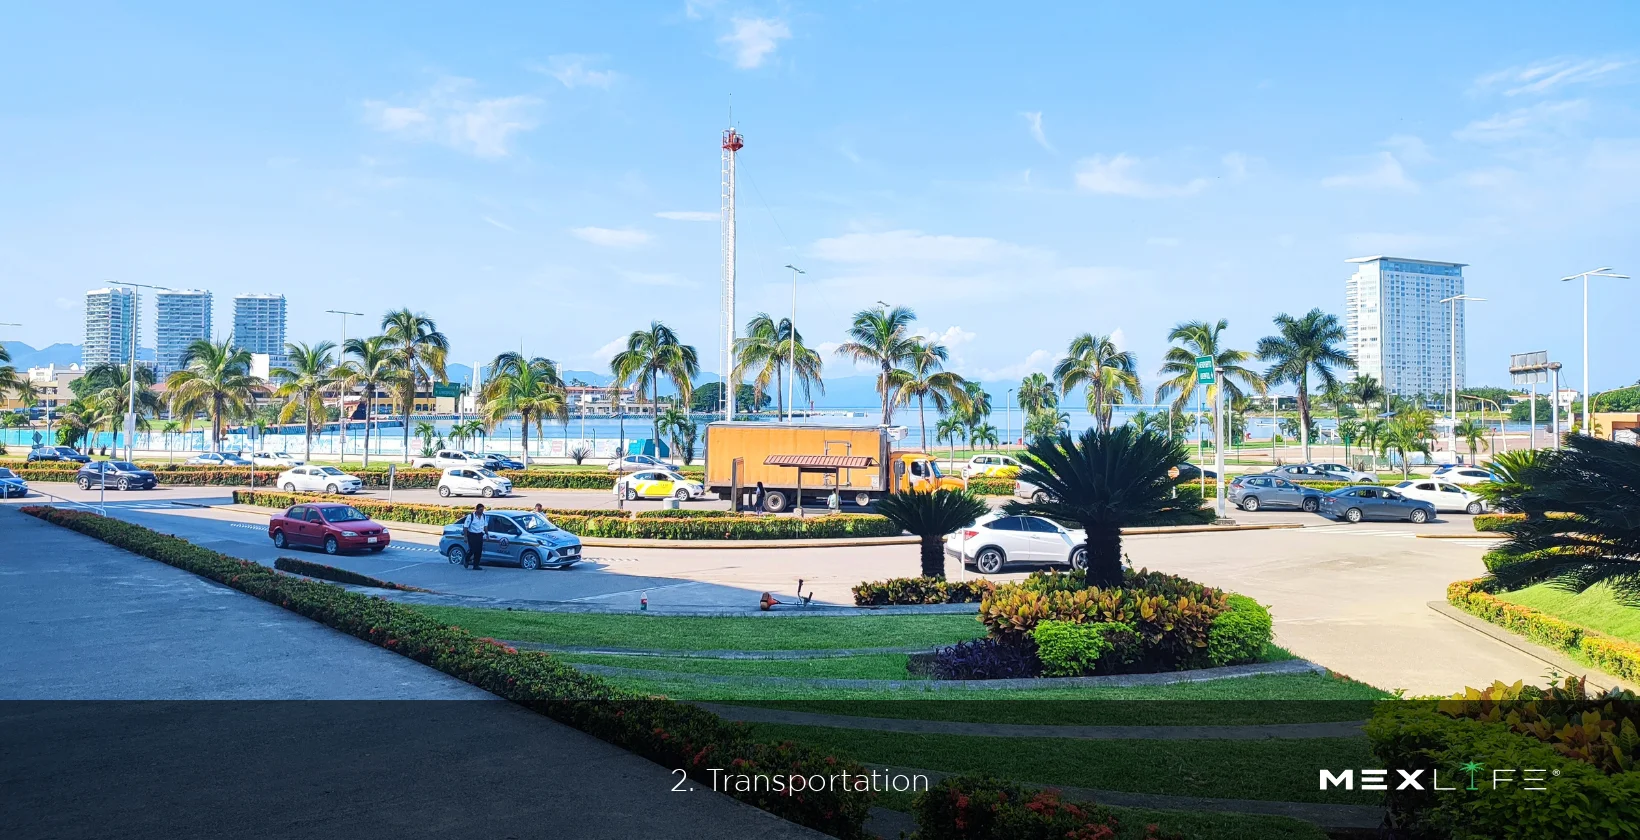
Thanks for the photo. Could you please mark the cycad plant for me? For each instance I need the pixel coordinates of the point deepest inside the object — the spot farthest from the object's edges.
(1516, 474)
(930, 516)
(1593, 486)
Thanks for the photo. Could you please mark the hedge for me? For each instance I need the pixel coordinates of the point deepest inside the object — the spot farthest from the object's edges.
(1496, 521)
(1069, 649)
(920, 590)
(991, 486)
(1238, 635)
(1618, 657)
(307, 568)
(608, 524)
(672, 734)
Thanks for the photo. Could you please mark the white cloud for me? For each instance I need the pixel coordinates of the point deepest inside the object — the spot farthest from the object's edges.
(916, 247)
(1494, 178)
(1409, 148)
(1038, 361)
(1235, 165)
(1522, 122)
(688, 215)
(501, 225)
(572, 71)
(1119, 338)
(611, 237)
(1387, 174)
(1119, 175)
(449, 114)
(1545, 76)
(753, 40)
(1163, 241)
(953, 337)
(603, 354)
(1034, 120)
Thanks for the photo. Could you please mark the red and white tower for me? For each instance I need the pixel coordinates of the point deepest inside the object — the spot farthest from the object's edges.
(732, 143)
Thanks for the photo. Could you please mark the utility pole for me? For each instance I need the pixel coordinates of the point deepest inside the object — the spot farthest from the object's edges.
(791, 381)
(1452, 398)
(131, 391)
(341, 393)
(732, 143)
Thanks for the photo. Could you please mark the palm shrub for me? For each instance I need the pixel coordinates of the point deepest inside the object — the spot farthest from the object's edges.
(930, 516)
(1104, 481)
(1594, 486)
(1516, 473)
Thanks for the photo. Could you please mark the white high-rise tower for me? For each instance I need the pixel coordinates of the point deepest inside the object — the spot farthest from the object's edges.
(732, 143)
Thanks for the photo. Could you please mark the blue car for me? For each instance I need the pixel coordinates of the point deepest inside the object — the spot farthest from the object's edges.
(1354, 504)
(11, 484)
(504, 462)
(519, 538)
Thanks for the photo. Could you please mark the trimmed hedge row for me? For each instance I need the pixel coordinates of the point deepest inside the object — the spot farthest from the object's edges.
(672, 734)
(406, 479)
(991, 486)
(985, 808)
(920, 590)
(1496, 521)
(1618, 657)
(307, 568)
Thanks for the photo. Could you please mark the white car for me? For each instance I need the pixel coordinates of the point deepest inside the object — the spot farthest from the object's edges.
(216, 459)
(318, 480)
(994, 541)
(633, 463)
(658, 484)
(446, 459)
(1465, 475)
(473, 481)
(1351, 475)
(1025, 490)
(1444, 495)
(275, 459)
(990, 466)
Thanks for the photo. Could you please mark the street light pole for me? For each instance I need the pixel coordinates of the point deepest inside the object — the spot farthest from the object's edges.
(131, 371)
(1483, 401)
(341, 393)
(1598, 272)
(1452, 404)
(791, 339)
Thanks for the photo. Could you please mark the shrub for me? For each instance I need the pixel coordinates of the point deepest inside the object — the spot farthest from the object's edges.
(920, 590)
(1238, 635)
(1079, 650)
(991, 486)
(1495, 521)
(669, 733)
(983, 808)
(1618, 657)
(986, 659)
(690, 513)
(322, 572)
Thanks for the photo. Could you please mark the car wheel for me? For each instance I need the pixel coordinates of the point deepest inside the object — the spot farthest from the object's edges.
(1249, 504)
(85, 483)
(1039, 497)
(990, 561)
(331, 546)
(125, 484)
(682, 494)
(1310, 505)
(1079, 560)
(774, 501)
(487, 492)
(444, 491)
(529, 560)
(1473, 509)
(458, 555)
(279, 540)
(331, 489)
(289, 487)
(862, 500)
(631, 494)
(1418, 516)
(1352, 515)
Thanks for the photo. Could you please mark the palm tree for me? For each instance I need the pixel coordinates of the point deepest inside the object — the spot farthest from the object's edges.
(1194, 339)
(1300, 346)
(308, 371)
(426, 432)
(882, 337)
(1517, 474)
(1105, 481)
(948, 430)
(114, 394)
(1408, 432)
(529, 388)
(374, 367)
(1594, 487)
(984, 435)
(925, 380)
(420, 351)
(1373, 431)
(978, 409)
(215, 378)
(170, 429)
(1475, 434)
(1349, 431)
(680, 431)
(10, 379)
(769, 349)
(1108, 372)
(1365, 390)
(652, 355)
(930, 516)
(1036, 393)
(1044, 425)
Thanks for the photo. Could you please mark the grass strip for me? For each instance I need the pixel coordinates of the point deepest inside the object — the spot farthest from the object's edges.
(871, 667)
(1597, 608)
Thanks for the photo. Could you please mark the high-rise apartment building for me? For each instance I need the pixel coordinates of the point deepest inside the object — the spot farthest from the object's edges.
(259, 325)
(110, 326)
(1397, 328)
(182, 317)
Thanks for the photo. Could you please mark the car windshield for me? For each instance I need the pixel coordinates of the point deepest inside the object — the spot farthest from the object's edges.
(1404, 484)
(122, 466)
(934, 468)
(536, 524)
(331, 471)
(5, 473)
(343, 514)
(487, 473)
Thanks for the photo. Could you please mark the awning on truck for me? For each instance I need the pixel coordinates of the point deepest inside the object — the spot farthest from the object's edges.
(821, 462)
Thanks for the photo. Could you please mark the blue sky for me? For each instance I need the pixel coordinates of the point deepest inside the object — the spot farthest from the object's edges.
(547, 174)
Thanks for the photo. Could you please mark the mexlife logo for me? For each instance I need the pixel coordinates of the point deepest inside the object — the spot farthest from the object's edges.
(1474, 772)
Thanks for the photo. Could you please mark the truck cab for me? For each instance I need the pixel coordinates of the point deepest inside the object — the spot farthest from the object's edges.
(917, 471)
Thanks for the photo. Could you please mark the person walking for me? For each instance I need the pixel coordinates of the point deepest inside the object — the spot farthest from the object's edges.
(757, 498)
(473, 525)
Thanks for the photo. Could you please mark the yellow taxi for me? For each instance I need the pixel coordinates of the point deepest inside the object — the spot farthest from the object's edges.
(658, 484)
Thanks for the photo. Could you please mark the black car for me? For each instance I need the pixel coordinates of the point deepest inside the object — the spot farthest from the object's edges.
(57, 453)
(122, 475)
(11, 484)
(1191, 472)
(503, 462)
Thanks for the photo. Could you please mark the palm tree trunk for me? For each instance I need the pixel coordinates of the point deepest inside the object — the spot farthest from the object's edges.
(779, 392)
(655, 412)
(922, 420)
(932, 551)
(1304, 413)
(369, 411)
(882, 385)
(409, 409)
(1104, 555)
(524, 436)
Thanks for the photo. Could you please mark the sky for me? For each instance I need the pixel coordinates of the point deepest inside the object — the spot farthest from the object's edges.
(545, 176)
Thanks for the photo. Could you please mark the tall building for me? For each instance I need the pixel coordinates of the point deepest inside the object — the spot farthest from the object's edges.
(1398, 330)
(110, 326)
(182, 317)
(259, 325)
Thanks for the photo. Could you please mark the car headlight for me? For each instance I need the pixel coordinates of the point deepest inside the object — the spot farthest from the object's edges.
(350, 533)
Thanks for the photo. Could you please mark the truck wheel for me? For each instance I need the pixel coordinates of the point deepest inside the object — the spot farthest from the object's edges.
(862, 499)
(774, 501)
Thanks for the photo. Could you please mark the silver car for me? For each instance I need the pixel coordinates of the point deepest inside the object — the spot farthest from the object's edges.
(516, 537)
(1253, 492)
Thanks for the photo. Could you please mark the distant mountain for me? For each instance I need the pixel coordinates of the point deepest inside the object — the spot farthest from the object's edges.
(24, 356)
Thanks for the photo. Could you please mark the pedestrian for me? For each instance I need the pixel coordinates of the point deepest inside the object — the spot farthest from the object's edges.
(473, 526)
(757, 498)
(834, 502)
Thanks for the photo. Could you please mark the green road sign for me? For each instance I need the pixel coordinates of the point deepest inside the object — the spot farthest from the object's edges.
(1204, 370)
(446, 389)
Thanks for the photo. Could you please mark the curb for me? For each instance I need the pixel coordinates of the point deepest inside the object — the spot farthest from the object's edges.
(811, 611)
(1553, 658)
(1291, 666)
(736, 655)
(1478, 535)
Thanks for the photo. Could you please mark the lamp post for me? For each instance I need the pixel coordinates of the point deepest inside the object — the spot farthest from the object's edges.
(1008, 417)
(341, 393)
(1483, 401)
(131, 373)
(791, 340)
(1598, 272)
(1452, 404)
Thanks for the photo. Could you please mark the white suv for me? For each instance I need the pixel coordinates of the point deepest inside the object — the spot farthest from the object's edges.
(473, 481)
(275, 459)
(446, 459)
(318, 480)
(993, 541)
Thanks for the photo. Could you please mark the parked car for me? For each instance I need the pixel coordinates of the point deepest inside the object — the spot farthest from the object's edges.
(1311, 472)
(318, 480)
(11, 484)
(445, 459)
(1191, 472)
(519, 537)
(504, 462)
(473, 481)
(1466, 475)
(991, 466)
(1444, 495)
(994, 541)
(1351, 475)
(333, 527)
(123, 475)
(217, 459)
(633, 463)
(1254, 492)
(57, 453)
(1353, 504)
(658, 484)
(1026, 490)
(276, 459)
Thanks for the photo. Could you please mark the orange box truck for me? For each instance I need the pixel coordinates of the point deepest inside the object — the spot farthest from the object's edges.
(859, 462)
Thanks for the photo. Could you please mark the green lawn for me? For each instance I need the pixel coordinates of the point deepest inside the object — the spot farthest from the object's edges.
(1278, 769)
(1196, 826)
(679, 633)
(1596, 608)
(875, 667)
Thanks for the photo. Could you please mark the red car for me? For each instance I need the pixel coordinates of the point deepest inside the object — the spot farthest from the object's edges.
(333, 527)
